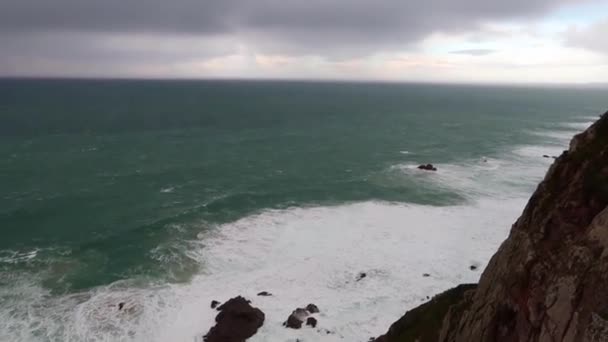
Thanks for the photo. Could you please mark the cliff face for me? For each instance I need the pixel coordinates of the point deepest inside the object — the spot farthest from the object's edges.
(549, 280)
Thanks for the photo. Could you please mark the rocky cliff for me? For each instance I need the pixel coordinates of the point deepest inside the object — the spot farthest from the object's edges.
(549, 280)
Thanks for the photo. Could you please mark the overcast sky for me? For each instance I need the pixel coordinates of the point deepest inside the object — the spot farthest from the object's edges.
(521, 41)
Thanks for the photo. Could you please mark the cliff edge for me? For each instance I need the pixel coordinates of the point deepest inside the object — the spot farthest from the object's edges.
(548, 281)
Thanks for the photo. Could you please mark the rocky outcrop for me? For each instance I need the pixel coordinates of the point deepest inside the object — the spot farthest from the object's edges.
(236, 322)
(427, 167)
(549, 280)
(424, 322)
(299, 315)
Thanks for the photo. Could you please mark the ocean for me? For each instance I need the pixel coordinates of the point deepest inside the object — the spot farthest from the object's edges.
(165, 195)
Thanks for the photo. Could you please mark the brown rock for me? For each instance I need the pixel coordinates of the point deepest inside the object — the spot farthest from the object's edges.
(236, 322)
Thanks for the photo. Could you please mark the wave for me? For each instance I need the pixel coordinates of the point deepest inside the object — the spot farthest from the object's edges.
(300, 255)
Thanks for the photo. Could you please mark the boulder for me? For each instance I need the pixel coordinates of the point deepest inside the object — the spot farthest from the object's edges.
(311, 321)
(264, 294)
(311, 308)
(214, 304)
(427, 167)
(295, 320)
(236, 322)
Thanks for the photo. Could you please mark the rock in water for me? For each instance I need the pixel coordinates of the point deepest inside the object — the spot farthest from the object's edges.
(428, 167)
(311, 321)
(214, 304)
(264, 294)
(361, 276)
(312, 308)
(236, 322)
(297, 317)
(549, 280)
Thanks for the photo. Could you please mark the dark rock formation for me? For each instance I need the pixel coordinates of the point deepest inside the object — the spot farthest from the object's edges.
(121, 305)
(297, 317)
(264, 294)
(236, 322)
(426, 275)
(428, 167)
(214, 304)
(311, 321)
(473, 267)
(424, 322)
(549, 280)
(361, 276)
(311, 308)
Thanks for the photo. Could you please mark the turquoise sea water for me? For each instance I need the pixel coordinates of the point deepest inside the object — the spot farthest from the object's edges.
(126, 182)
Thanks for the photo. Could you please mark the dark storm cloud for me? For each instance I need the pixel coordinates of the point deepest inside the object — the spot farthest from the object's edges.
(303, 24)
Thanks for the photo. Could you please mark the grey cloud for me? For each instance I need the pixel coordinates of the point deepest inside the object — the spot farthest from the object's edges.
(311, 22)
(592, 38)
(474, 52)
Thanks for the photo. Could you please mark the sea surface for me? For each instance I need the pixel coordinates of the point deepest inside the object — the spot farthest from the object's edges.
(165, 195)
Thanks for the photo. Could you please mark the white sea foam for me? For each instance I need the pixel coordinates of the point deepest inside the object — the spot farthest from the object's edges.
(580, 126)
(300, 255)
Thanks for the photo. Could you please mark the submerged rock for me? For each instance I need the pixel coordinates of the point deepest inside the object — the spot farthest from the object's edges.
(236, 321)
(361, 276)
(264, 294)
(214, 304)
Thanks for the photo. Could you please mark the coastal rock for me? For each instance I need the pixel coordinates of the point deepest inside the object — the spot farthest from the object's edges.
(473, 267)
(297, 317)
(548, 281)
(311, 321)
(423, 323)
(236, 321)
(311, 308)
(427, 167)
(361, 276)
(265, 294)
(214, 304)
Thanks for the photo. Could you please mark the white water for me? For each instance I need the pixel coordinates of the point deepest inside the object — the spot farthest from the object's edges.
(305, 255)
